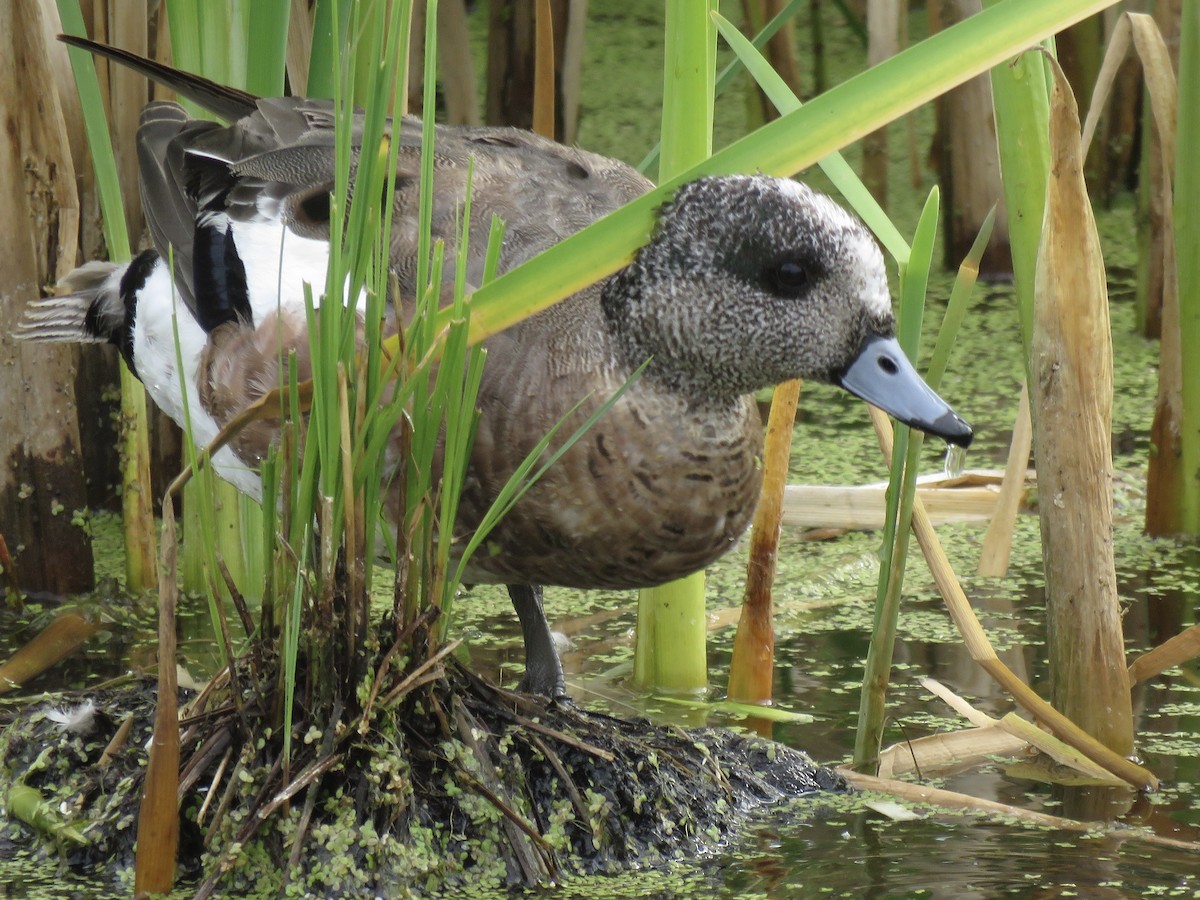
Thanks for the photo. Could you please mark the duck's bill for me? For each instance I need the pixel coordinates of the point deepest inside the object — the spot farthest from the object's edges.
(883, 376)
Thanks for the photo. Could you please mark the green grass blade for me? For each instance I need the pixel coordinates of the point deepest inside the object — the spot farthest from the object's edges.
(915, 278)
(727, 74)
(525, 475)
(183, 21)
(213, 40)
(956, 306)
(745, 710)
(331, 18)
(116, 234)
(1021, 99)
(671, 633)
(687, 87)
(834, 165)
(902, 489)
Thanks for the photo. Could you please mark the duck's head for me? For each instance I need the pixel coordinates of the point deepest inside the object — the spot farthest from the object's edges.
(751, 281)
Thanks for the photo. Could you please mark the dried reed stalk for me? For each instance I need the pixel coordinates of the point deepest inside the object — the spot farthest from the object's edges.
(42, 479)
(981, 650)
(1071, 364)
(753, 666)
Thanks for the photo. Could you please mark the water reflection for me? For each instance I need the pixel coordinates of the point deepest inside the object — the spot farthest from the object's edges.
(863, 855)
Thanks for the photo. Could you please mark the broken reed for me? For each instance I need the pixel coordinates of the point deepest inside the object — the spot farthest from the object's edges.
(1068, 361)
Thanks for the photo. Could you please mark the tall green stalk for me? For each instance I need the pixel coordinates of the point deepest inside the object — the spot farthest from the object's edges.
(688, 86)
(902, 485)
(834, 165)
(1186, 211)
(137, 504)
(266, 63)
(329, 17)
(728, 74)
(672, 627)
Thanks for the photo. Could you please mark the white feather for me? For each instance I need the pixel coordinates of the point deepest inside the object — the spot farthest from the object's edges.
(159, 312)
(79, 719)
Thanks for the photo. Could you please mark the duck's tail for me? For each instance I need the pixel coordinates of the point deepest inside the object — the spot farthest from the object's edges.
(98, 306)
(90, 312)
(229, 103)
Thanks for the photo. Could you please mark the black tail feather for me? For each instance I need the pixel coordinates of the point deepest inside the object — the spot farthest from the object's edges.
(229, 103)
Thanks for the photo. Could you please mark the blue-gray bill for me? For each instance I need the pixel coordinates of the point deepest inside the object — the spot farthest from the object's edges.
(883, 376)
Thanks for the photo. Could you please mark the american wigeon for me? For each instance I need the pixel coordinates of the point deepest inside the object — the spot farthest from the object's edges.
(748, 281)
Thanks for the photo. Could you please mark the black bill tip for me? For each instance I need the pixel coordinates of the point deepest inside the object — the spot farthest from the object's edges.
(952, 427)
(882, 375)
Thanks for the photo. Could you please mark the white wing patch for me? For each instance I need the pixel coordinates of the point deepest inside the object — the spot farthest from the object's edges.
(278, 264)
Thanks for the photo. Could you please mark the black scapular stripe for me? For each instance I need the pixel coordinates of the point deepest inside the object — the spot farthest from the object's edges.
(219, 277)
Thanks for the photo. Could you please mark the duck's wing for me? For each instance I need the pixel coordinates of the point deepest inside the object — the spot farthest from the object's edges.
(207, 187)
(265, 178)
(237, 205)
(274, 170)
(542, 191)
(170, 212)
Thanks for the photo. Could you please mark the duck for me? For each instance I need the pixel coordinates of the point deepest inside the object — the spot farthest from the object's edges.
(747, 281)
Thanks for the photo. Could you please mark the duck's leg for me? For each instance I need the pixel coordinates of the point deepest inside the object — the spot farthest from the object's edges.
(543, 669)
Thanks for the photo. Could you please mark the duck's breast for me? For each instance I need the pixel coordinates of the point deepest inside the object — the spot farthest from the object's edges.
(652, 492)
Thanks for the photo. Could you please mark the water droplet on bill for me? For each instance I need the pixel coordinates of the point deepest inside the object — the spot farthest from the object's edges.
(956, 458)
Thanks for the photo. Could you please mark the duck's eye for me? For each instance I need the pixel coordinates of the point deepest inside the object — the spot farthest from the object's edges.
(789, 278)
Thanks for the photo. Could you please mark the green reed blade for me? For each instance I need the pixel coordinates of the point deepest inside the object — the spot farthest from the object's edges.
(137, 521)
(731, 70)
(956, 306)
(833, 165)
(671, 632)
(266, 63)
(902, 488)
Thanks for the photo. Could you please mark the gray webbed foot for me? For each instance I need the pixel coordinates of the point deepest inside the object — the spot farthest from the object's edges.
(543, 668)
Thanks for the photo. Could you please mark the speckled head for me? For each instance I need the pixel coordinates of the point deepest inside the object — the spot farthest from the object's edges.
(753, 280)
